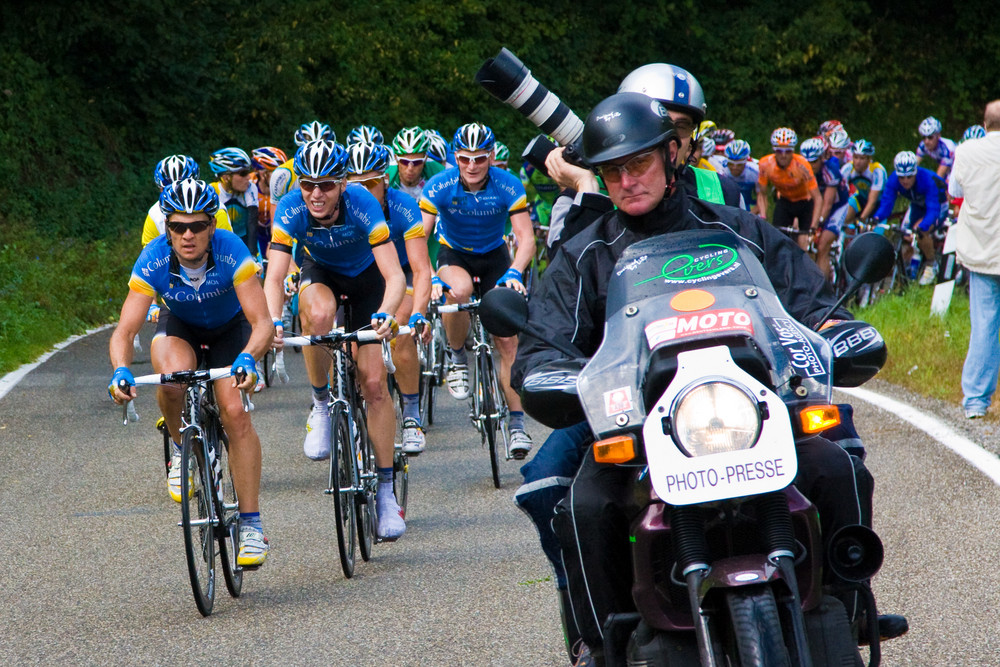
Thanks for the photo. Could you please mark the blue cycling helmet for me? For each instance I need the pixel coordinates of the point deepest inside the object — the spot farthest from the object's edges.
(905, 163)
(189, 196)
(174, 168)
(320, 159)
(473, 137)
(312, 131)
(812, 149)
(864, 147)
(228, 160)
(737, 151)
(364, 157)
(437, 147)
(929, 126)
(365, 134)
(974, 132)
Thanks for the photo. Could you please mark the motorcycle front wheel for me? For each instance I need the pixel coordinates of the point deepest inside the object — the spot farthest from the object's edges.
(756, 628)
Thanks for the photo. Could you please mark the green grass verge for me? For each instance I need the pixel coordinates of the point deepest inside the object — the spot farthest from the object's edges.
(51, 289)
(926, 352)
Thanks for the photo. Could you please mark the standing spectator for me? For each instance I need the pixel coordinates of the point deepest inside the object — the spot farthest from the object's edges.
(975, 176)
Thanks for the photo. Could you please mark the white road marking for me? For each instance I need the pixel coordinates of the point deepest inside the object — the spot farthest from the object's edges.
(9, 381)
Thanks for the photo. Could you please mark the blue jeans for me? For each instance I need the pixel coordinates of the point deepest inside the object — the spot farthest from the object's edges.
(547, 478)
(982, 363)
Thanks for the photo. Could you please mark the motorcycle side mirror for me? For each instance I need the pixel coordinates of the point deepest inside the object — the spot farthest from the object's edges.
(504, 312)
(869, 258)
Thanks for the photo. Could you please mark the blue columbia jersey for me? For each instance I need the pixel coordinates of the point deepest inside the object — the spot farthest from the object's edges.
(831, 177)
(927, 195)
(944, 154)
(473, 222)
(405, 221)
(157, 273)
(346, 246)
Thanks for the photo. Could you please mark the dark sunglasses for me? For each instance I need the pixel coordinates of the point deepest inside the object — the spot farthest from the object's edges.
(325, 186)
(242, 172)
(196, 227)
(369, 183)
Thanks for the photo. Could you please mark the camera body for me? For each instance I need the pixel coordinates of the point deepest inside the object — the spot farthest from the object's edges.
(539, 148)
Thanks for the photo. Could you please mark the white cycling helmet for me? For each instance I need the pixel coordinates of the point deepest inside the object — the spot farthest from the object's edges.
(674, 86)
(905, 163)
(929, 126)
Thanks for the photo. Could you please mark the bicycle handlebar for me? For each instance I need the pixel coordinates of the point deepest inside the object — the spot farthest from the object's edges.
(335, 338)
(177, 377)
(457, 307)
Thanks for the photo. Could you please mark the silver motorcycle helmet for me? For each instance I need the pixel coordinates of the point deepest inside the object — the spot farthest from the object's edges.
(674, 86)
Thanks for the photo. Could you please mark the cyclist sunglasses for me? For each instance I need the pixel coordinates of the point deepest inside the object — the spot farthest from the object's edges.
(368, 182)
(684, 127)
(407, 162)
(635, 167)
(325, 186)
(196, 227)
(242, 172)
(473, 159)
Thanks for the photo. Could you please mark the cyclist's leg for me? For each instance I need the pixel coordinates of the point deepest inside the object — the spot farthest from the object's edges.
(454, 271)
(831, 230)
(407, 375)
(317, 309)
(168, 353)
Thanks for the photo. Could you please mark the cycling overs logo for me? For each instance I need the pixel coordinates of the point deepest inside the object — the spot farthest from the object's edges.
(716, 261)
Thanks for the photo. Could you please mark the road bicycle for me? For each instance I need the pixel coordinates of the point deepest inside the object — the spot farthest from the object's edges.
(489, 413)
(209, 507)
(432, 364)
(353, 479)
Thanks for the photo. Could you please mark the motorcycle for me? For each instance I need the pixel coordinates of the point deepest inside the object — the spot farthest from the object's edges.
(706, 407)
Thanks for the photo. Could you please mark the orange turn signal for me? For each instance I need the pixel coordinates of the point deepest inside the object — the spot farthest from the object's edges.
(817, 418)
(619, 449)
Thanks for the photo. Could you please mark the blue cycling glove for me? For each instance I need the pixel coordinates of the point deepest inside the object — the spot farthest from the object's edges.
(512, 274)
(417, 322)
(121, 373)
(244, 363)
(386, 317)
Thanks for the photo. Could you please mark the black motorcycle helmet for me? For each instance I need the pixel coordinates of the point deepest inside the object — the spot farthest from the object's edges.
(624, 124)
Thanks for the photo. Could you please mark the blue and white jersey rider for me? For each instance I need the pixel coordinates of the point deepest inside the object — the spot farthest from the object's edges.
(927, 195)
(473, 222)
(203, 298)
(405, 222)
(344, 247)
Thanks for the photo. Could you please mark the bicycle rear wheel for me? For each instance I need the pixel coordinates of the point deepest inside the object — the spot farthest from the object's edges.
(228, 530)
(268, 362)
(197, 518)
(485, 383)
(342, 482)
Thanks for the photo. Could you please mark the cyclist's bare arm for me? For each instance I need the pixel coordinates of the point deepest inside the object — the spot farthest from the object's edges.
(762, 201)
(428, 219)
(942, 170)
(824, 213)
(120, 349)
(420, 264)
(872, 205)
(387, 260)
(520, 223)
(817, 206)
(278, 260)
(251, 296)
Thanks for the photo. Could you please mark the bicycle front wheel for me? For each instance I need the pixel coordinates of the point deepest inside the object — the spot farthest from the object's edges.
(364, 498)
(228, 530)
(342, 483)
(197, 519)
(485, 382)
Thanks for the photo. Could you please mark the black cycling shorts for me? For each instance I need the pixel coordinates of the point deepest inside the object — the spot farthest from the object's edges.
(786, 211)
(488, 267)
(216, 347)
(363, 292)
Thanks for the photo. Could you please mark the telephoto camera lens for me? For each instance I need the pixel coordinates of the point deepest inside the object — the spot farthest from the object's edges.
(507, 79)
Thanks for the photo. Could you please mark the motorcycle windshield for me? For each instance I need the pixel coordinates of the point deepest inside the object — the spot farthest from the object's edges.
(694, 289)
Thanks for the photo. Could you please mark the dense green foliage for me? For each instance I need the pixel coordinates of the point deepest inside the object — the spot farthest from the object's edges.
(93, 94)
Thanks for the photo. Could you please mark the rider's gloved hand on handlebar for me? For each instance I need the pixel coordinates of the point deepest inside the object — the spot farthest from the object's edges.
(291, 283)
(512, 279)
(419, 327)
(438, 288)
(244, 372)
(385, 325)
(153, 314)
(118, 392)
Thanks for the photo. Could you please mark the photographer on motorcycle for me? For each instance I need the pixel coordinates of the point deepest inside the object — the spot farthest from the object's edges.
(631, 141)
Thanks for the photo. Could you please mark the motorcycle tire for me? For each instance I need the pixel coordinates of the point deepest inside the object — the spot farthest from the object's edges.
(756, 628)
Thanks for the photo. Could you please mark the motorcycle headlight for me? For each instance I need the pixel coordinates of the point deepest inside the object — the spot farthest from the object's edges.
(715, 417)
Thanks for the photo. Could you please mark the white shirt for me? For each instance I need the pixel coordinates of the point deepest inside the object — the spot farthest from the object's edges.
(976, 175)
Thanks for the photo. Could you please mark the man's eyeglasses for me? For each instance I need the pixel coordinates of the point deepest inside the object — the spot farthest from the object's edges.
(473, 159)
(368, 182)
(242, 172)
(411, 162)
(635, 167)
(784, 150)
(684, 127)
(325, 186)
(181, 228)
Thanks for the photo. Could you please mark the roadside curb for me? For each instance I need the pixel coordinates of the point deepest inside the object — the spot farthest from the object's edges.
(10, 380)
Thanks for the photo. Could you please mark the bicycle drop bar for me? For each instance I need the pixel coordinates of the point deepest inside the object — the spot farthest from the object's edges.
(181, 377)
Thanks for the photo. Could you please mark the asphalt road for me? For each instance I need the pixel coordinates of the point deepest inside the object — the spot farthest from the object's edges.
(92, 564)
